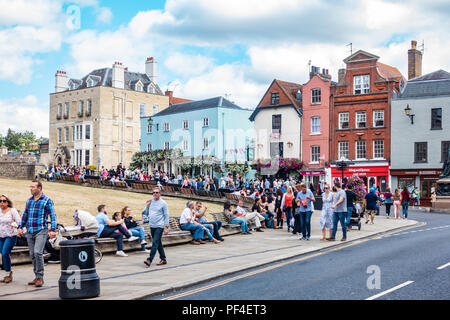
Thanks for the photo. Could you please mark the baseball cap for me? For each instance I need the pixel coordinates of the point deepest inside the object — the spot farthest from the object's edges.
(373, 189)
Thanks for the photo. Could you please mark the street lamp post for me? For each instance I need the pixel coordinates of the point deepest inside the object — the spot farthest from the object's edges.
(342, 165)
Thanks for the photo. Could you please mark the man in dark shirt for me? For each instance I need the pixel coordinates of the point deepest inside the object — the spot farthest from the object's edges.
(351, 197)
(370, 204)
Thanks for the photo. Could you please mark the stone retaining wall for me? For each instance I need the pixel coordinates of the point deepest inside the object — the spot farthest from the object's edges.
(20, 170)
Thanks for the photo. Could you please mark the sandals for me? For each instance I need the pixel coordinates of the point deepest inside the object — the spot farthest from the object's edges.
(161, 263)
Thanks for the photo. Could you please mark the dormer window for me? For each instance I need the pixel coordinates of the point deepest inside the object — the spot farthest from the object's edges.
(150, 89)
(139, 87)
(72, 86)
(90, 83)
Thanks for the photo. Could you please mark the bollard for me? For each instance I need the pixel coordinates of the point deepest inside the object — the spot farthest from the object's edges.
(79, 278)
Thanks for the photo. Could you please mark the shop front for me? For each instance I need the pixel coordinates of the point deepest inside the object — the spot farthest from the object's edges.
(424, 179)
(377, 176)
(314, 177)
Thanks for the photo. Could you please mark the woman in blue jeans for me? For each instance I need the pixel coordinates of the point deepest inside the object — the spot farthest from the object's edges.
(9, 217)
(133, 227)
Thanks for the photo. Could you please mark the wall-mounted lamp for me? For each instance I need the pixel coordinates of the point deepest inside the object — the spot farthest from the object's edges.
(408, 113)
(150, 121)
(290, 144)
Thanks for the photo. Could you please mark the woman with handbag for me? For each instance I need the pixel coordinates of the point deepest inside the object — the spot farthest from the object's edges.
(9, 220)
(287, 207)
(397, 197)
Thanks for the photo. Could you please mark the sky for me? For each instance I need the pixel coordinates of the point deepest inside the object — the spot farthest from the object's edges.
(203, 48)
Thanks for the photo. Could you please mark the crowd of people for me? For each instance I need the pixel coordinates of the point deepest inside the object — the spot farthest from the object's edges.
(279, 204)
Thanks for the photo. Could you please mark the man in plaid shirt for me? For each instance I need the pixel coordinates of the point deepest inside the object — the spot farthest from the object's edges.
(34, 219)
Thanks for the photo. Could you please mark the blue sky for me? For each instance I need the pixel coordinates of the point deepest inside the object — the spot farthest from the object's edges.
(204, 48)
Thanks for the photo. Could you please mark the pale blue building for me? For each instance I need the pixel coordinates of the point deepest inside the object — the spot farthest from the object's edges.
(207, 132)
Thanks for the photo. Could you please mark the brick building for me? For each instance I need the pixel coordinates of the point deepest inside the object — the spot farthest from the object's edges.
(316, 129)
(360, 118)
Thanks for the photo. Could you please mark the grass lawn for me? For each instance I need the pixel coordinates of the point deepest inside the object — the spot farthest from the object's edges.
(68, 197)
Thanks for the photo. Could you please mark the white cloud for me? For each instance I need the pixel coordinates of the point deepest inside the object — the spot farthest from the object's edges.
(104, 15)
(221, 81)
(188, 65)
(24, 114)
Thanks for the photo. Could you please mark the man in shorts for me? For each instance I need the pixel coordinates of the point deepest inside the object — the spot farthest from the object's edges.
(370, 204)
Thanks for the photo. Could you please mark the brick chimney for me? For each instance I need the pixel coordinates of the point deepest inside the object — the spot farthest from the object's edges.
(61, 81)
(118, 75)
(170, 95)
(414, 61)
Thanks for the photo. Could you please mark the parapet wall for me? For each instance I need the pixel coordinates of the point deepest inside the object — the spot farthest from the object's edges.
(20, 170)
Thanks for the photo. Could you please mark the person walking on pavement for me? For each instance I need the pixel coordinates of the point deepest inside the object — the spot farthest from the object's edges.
(9, 220)
(158, 219)
(416, 197)
(326, 217)
(286, 204)
(397, 198)
(34, 219)
(388, 201)
(340, 212)
(371, 202)
(304, 199)
(351, 197)
(405, 202)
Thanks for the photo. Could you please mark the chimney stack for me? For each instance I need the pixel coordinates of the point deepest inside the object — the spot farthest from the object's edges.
(170, 95)
(341, 75)
(414, 61)
(61, 81)
(118, 75)
(150, 69)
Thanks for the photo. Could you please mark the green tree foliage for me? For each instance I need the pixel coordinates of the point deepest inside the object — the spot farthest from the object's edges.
(20, 141)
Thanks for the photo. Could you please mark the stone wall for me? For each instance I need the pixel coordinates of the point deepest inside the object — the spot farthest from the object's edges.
(20, 170)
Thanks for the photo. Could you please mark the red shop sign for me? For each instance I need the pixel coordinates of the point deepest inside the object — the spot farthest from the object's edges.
(362, 171)
(311, 173)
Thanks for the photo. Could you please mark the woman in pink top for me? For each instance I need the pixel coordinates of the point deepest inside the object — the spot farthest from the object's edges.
(9, 220)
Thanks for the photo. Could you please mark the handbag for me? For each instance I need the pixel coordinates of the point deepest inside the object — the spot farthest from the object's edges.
(292, 222)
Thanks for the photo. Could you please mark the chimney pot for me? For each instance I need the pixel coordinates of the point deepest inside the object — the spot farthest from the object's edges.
(414, 61)
(413, 44)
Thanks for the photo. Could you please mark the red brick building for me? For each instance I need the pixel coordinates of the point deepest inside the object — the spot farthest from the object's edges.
(360, 118)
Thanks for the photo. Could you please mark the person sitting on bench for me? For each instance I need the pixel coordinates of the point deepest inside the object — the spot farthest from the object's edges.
(107, 228)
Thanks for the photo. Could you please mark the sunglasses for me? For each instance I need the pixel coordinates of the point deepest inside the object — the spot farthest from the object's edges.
(156, 192)
(4, 201)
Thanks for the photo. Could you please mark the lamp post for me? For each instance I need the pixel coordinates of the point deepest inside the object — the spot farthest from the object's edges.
(342, 165)
(408, 113)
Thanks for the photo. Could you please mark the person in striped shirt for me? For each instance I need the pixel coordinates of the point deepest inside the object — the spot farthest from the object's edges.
(34, 219)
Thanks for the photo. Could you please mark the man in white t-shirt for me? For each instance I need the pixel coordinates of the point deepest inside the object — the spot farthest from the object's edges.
(249, 216)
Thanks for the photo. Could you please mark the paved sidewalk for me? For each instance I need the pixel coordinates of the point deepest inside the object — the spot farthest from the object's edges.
(128, 278)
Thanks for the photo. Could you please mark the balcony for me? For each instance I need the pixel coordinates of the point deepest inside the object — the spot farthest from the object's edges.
(66, 116)
(80, 114)
(88, 113)
(58, 117)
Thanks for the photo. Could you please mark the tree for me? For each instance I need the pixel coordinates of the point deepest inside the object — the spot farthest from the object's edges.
(12, 140)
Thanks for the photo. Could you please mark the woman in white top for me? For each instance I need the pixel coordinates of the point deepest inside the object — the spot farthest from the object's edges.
(326, 217)
(9, 220)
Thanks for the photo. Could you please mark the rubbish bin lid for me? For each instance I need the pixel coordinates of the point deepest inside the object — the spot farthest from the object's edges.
(76, 243)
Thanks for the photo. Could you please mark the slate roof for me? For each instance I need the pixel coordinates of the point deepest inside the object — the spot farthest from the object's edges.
(257, 110)
(104, 77)
(198, 105)
(436, 83)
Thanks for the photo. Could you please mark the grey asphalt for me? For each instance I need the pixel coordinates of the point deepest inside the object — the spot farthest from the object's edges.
(411, 255)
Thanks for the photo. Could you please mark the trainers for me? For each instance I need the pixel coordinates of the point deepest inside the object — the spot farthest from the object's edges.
(303, 238)
(308, 238)
(132, 238)
(121, 254)
(143, 242)
(259, 230)
(248, 232)
(145, 250)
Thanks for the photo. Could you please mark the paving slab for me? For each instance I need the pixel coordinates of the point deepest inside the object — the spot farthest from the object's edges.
(125, 278)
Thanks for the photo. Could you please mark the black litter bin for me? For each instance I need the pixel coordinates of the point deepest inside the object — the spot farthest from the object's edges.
(79, 278)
